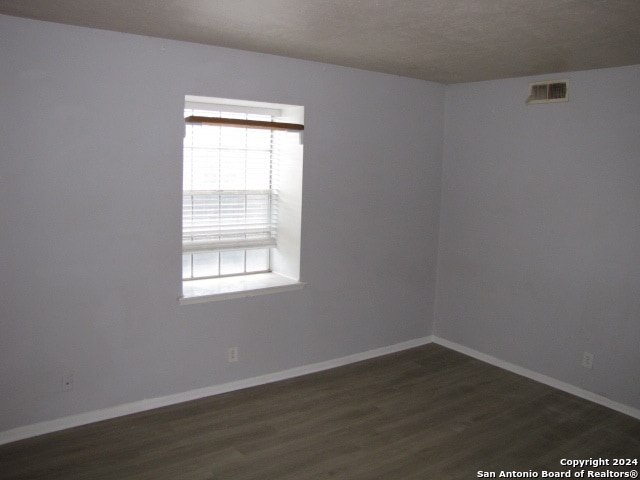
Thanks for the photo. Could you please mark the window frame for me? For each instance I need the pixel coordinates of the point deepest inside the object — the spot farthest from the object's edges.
(285, 257)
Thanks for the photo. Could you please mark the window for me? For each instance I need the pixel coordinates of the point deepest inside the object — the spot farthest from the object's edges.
(241, 202)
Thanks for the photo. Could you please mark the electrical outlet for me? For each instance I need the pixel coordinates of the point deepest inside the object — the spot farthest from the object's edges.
(232, 354)
(67, 381)
(587, 360)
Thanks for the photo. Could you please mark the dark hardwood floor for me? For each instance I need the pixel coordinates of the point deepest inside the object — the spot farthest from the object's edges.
(426, 413)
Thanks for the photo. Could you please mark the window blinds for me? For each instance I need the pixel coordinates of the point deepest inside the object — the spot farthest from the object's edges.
(230, 176)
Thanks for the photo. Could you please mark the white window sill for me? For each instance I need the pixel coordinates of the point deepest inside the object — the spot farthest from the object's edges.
(214, 289)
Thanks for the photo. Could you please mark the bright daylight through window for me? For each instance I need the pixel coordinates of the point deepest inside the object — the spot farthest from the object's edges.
(241, 199)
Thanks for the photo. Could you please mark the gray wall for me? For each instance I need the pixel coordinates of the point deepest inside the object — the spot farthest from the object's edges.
(539, 256)
(90, 205)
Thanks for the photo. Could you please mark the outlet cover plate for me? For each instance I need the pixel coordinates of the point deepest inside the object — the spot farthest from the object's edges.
(232, 354)
(587, 360)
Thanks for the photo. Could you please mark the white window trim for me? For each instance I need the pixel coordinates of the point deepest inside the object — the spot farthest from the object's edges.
(285, 275)
(240, 286)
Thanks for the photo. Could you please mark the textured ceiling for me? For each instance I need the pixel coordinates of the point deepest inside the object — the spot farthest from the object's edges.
(447, 41)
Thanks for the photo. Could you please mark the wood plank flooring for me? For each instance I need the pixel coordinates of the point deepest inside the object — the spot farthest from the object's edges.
(425, 413)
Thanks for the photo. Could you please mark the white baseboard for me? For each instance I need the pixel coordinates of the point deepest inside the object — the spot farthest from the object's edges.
(50, 426)
(538, 377)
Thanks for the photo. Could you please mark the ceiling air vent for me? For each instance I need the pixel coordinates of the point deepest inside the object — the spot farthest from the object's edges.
(548, 92)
